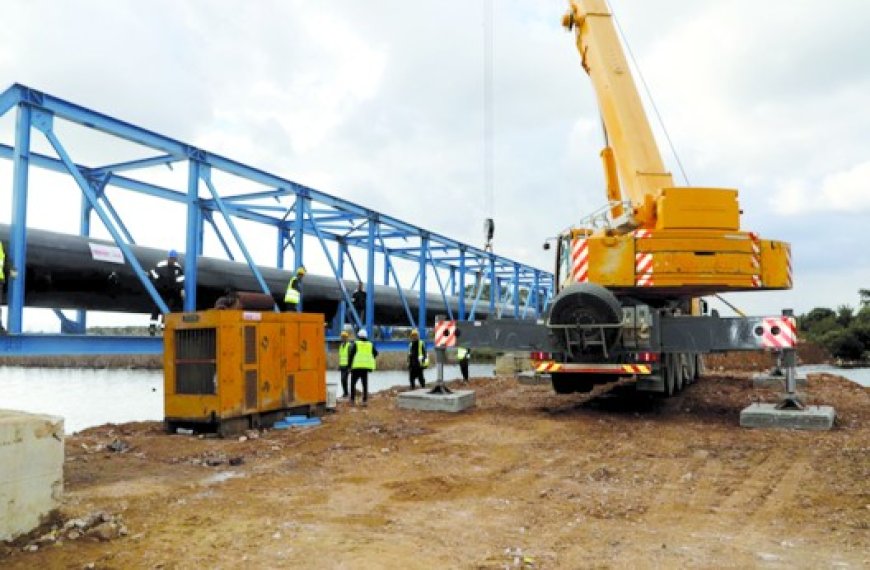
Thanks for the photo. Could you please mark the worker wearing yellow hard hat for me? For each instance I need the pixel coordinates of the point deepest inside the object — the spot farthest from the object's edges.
(293, 295)
(417, 360)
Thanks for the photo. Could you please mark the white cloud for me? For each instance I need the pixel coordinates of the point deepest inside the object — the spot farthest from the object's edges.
(846, 191)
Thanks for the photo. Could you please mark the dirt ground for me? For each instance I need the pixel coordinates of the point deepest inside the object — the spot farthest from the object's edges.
(526, 479)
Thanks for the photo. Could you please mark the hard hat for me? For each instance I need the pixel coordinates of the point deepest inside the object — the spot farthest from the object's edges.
(362, 334)
(344, 334)
(300, 271)
(414, 333)
(173, 253)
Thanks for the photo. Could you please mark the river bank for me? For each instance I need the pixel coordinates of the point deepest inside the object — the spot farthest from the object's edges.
(526, 479)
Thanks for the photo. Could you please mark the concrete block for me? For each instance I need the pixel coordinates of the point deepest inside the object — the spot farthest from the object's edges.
(421, 399)
(767, 380)
(512, 363)
(533, 379)
(31, 470)
(767, 416)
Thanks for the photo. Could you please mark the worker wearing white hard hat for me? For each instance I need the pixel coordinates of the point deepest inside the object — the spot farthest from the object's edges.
(361, 357)
(344, 362)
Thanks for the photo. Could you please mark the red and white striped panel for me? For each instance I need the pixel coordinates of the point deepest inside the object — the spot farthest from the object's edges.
(642, 234)
(788, 263)
(580, 259)
(445, 333)
(756, 258)
(779, 332)
(643, 269)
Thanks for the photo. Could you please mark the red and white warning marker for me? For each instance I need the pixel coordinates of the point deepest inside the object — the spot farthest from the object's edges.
(445, 334)
(779, 332)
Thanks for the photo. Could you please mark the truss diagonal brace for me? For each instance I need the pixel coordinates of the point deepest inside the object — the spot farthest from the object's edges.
(205, 174)
(42, 121)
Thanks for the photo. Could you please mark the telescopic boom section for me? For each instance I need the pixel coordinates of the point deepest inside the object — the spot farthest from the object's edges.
(642, 172)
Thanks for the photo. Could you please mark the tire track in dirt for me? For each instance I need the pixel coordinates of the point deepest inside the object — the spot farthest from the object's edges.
(755, 490)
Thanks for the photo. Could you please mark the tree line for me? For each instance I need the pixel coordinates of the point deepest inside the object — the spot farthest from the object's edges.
(844, 332)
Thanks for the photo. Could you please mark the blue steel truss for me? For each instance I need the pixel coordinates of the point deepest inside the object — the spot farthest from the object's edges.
(477, 278)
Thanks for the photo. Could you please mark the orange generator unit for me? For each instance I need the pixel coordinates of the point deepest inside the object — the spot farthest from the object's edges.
(230, 370)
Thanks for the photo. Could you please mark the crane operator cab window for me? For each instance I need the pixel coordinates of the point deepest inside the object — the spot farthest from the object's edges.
(563, 261)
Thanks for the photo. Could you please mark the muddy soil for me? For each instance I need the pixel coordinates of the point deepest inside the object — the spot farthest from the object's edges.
(526, 479)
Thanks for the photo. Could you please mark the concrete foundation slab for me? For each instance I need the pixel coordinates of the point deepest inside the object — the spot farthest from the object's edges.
(421, 399)
(532, 379)
(766, 380)
(767, 416)
(31, 470)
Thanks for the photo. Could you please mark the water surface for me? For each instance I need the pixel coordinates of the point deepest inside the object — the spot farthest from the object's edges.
(87, 397)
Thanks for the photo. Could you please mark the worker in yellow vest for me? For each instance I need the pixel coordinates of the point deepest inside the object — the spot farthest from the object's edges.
(361, 358)
(417, 360)
(343, 362)
(293, 295)
(463, 355)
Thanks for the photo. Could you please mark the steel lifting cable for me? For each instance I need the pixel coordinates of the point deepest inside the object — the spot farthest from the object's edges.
(488, 123)
(649, 96)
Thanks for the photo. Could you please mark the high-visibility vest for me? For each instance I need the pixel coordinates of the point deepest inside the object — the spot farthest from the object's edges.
(343, 349)
(364, 359)
(462, 353)
(421, 355)
(2, 262)
(292, 295)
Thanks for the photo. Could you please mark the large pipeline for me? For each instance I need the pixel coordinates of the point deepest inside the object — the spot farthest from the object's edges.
(73, 272)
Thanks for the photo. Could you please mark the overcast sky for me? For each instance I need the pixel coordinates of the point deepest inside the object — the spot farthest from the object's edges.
(381, 103)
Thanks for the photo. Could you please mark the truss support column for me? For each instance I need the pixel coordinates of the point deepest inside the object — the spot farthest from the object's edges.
(370, 278)
(341, 314)
(536, 287)
(424, 255)
(493, 286)
(516, 290)
(85, 210)
(298, 233)
(194, 235)
(279, 261)
(461, 314)
(18, 235)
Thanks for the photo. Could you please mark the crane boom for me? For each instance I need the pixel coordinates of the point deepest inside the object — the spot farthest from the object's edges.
(638, 161)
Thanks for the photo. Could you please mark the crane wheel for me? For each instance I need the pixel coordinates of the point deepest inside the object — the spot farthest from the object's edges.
(678, 361)
(585, 304)
(669, 373)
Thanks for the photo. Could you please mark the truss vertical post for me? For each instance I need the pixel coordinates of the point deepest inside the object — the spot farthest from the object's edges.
(84, 230)
(18, 234)
(535, 292)
(493, 285)
(342, 306)
(298, 226)
(193, 239)
(421, 305)
(516, 290)
(370, 277)
(279, 258)
(200, 230)
(461, 283)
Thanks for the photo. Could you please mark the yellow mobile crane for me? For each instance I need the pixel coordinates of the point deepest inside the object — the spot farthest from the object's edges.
(630, 275)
